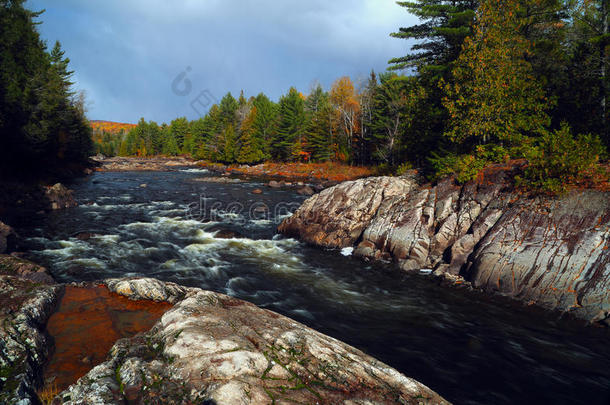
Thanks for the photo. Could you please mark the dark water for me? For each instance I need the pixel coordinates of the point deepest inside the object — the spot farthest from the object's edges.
(469, 347)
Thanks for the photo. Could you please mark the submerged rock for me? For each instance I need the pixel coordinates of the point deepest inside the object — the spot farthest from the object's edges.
(211, 348)
(306, 191)
(545, 251)
(60, 197)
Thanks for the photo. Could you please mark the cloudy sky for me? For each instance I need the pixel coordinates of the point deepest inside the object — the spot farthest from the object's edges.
(159, 58)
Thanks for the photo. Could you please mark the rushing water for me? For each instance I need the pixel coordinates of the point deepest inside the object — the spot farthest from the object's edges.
(469, 347)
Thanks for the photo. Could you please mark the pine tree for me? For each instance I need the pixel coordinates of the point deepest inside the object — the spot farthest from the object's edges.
(228, 109)
(290, 131)
(320, 128)
(229, 151)
(265, 124)
(179, 129)
(445, 25)
(251, 149)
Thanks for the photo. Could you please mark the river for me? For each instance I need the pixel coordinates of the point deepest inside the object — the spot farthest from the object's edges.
(469, 347)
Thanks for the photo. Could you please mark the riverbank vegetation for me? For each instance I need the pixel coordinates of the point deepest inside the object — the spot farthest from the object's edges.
(43, 129)
(487, 82)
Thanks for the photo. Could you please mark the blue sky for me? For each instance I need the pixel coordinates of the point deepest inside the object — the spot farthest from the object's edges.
(128, 53)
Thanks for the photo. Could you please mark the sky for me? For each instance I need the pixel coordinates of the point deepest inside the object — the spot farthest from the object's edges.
(162, 59)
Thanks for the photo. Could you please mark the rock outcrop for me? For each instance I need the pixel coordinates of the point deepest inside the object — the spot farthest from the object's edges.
(214, 349)
(545, 251)
(25, 306)
(336, 217)
(59, 197)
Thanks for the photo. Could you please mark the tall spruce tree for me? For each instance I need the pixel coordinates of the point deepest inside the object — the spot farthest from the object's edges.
(250, 150)
(291, 126)
(320, 131)
(265, 123)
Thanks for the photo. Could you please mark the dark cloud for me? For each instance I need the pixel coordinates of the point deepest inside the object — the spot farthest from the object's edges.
(126, 54)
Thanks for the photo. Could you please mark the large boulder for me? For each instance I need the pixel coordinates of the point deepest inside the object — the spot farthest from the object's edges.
(211, 348)
(337, 216)
(59, 197)
(554, 252)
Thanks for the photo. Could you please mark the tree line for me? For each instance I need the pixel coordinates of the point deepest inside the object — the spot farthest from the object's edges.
(487, 81)
(345, 124)
(43, 128)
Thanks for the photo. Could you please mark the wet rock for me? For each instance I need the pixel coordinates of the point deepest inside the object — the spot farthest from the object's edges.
(274, 184)
(24, 269)
(337, 217)
(25, 306)
(88, 322)
(59, 197)
(305, 191)
(221, 180)
(84, 236)
(224, 233)
(211, 348)
(5, 232)
(552, 252)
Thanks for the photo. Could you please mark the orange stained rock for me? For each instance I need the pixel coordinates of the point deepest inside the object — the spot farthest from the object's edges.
(87, 324)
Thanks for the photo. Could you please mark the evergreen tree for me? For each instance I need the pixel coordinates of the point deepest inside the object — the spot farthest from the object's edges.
(228, 109)
(229, 152)
(179, 129)
(290, 131)
(320, 130)
(394, 114)
(251, 150)
(41, 118)
(265, 123)
(445, 25)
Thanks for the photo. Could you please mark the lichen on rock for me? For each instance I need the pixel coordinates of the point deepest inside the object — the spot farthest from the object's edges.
(211, 348)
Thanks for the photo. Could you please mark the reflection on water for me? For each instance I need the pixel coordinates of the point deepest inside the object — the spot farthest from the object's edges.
(466, 346)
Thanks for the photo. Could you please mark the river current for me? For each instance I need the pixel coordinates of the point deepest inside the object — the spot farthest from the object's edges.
(469, 347)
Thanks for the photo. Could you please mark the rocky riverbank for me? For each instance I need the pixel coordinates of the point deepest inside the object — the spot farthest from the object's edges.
(130, 164)
(206, 348)
(551, 252)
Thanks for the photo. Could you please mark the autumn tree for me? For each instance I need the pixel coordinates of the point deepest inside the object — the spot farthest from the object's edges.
(493, 94)
(344, 98)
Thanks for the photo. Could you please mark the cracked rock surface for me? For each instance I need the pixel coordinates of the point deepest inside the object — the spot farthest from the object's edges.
(551, 252)
(211, 348)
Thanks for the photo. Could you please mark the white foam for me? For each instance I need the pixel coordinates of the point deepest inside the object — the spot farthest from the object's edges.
(194, 171)
(347, 251)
